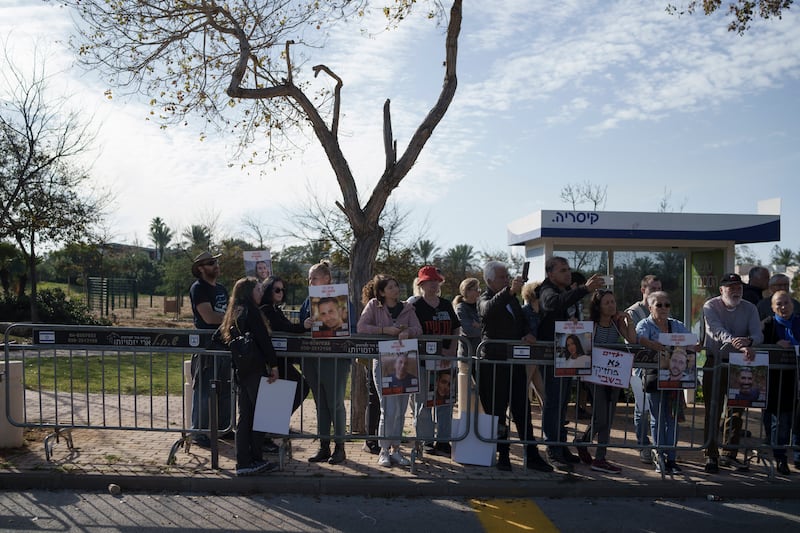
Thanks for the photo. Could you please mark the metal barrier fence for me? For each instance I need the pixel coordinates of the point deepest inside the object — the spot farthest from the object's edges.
(577, 429)
(80, 377)
(83, 377)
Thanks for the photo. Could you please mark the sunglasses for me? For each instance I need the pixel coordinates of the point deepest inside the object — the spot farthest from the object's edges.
(277, 290)
(660, 305)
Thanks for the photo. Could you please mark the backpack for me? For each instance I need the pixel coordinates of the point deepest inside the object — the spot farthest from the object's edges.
(244, 352)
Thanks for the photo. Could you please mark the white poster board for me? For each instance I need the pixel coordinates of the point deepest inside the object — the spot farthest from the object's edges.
(610, 367)
(274, 406)
(471, 450)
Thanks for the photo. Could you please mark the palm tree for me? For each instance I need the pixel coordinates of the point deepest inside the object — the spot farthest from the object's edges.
(459, 259)
(425, 249)
(782, 256)
(198, 237)
(161, 236)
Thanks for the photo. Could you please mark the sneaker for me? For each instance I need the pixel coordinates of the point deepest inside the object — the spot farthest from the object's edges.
(443, 448)
(504, 462)
(371, 446)
(658, 467)
(383, 458)
(672, 467)
(712, 466)
(257, 467)
(535, 462)
(601, 465)
(645, 456)
(429, 448)
(397, 458)
(783, 467)
(733, 462)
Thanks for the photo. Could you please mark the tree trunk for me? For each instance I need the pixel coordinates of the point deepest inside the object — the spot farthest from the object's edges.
(366, 240)
(32, 274)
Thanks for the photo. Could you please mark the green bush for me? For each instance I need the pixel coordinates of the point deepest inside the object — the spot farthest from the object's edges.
(54, 308)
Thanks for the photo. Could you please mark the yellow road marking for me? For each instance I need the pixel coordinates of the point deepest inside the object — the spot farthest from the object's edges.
(502, 516)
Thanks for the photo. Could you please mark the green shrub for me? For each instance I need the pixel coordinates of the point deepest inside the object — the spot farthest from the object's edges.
(54, 308)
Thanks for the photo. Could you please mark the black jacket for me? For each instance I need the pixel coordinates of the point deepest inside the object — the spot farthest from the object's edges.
(278, 321)
(501, 318)
(554, 304)
(251, 320)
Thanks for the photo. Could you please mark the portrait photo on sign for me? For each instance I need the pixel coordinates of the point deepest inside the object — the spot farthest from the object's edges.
(329, 310)
(258, 264)
(440, 388)
(399, 366)
(573, 348)
(677, 368)
(748, 380)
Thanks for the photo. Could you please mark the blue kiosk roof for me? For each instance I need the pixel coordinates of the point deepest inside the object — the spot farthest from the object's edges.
(740, 229)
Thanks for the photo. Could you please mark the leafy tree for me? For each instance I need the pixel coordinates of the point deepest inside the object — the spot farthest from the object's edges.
(41, 200)
(205, 57)
(741, 12)
(12, 264)
(76, 261)
(161, 236)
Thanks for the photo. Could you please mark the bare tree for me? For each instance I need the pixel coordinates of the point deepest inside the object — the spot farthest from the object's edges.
(256, 228)
(182, 54)
(577, 194)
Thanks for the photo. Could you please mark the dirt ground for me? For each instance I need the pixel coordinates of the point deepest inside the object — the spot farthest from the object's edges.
(151, 314)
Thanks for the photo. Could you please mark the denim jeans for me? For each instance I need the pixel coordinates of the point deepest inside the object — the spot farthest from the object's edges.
(393, 412)
(640, 406)
(663, 420)
(206, 368)
(780, 427)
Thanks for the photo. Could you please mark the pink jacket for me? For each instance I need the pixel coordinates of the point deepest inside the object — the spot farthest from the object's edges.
(375, 316)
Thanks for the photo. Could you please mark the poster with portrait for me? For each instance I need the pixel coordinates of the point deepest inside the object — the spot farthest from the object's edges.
(330, 313)
(677, 365)
(573, 348)
(748, 380)
(258, 264)
(440, 387)
(399, 368)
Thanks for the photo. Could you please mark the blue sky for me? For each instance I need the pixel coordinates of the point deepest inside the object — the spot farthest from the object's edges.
(614, 92)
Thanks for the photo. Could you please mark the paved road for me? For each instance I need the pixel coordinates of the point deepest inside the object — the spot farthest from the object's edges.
(92, 512)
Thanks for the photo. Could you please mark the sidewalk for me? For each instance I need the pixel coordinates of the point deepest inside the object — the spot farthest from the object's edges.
(136, 461)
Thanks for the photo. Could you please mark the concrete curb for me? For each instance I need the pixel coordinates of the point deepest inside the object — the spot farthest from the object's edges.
(563, 487)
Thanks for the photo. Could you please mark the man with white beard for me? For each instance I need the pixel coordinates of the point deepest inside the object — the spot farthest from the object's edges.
(729, 320)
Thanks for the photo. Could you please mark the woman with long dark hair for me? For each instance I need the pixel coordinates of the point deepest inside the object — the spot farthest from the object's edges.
(610, 327)
(241, 318)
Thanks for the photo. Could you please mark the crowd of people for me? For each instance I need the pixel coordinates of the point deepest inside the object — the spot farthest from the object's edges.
(736, 320)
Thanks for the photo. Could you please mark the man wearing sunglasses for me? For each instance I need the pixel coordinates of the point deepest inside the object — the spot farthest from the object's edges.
(209, 301)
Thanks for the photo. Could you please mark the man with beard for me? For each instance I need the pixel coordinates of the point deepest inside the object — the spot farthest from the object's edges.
(729, 320)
